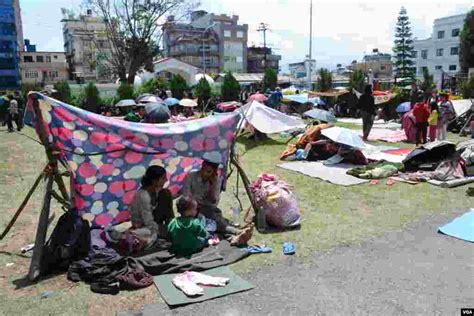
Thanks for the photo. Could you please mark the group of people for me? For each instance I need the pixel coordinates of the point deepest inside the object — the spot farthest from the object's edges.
(11, 110)
(153, 218)
(431, 113)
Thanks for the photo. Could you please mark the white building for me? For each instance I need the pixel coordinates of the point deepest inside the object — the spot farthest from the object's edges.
(440, 52)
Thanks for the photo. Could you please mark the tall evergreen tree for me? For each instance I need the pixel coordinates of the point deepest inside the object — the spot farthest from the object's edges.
(403, 47)
(230, 88)
(357, 80)
(270, 79)
(178, 86)
(466, 54)
(324, 80)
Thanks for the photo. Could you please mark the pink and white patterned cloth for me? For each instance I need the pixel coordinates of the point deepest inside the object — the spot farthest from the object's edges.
(189, 282)
(107, 157)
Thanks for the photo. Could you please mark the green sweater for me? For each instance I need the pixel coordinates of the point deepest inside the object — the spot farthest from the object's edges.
(187, 235)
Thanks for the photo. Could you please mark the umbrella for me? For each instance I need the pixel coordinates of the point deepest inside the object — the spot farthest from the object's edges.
(125, 102)
(403, 107)
(188, 103)
(157, 113)
(320, 115)
(378, 92)
(171, 101)
(228, 106)
(317, 101)
(148, 98)
(298, 98)
(343, 136)
(257, 97)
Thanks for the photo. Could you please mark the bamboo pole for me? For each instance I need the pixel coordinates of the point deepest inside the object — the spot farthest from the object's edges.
(35, 266)
(22, 206)
(245, 181)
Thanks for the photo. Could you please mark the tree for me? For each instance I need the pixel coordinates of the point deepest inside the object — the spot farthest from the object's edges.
(466, 52)
(270, 79)
(64, 91)
(125, 91)
(467, 88)
(133, 28)
(92, 98)
(203, 91)
(178, 86)
(324, 80)
(150, 86)
(403, 47)
(357, 80)
(428, 83)
(230, 89)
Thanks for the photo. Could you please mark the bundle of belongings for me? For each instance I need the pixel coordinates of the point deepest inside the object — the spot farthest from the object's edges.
(313, 146)
(377, 170)
(440, 162)
(276, 200)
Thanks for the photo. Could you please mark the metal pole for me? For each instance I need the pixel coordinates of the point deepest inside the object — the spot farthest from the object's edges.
(310, 43)
(203, 53)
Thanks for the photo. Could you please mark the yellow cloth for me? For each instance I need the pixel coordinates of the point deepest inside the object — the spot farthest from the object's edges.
(433, 119)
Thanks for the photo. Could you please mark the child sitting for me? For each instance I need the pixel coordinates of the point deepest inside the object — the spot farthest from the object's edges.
(187, 234)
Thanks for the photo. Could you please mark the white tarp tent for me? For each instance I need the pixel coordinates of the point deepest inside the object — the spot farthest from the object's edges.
(461, 106)
(268, 120)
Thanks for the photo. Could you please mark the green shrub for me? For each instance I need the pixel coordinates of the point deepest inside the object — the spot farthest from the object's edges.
(125, 91)
(92, 98)
(178, 86)
(151, 85)
(230, 89)
(64, 91)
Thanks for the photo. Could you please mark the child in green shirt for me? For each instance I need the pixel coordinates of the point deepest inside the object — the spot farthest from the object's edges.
(186, 232)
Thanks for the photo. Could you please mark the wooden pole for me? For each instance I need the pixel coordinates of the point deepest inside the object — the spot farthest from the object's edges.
(245, 181)
(52, 156)
(35, 266)
(22, 206)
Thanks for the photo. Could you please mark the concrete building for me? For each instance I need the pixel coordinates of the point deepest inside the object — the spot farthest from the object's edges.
(87, 48)
(256, 57)
(11, 44)
(378, 63)
(186, 43)
(440, 52)
(300, 69)
(44, 67)
(232, 38)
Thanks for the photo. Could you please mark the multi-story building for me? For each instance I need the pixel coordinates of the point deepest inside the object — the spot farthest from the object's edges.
(256, 59)
(301, 69)
(196, 46)
(214, 43)
(440, 52)
(378, 64)
(87, 48)
(44, 67)
(11, 44)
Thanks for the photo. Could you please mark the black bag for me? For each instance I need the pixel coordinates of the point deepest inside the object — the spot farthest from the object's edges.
(69, 242)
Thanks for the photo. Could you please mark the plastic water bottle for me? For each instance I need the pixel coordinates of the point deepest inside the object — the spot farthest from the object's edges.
(235, 214)
(261, 221)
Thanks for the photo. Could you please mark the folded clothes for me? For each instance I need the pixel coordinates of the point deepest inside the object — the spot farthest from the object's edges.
(189, 280)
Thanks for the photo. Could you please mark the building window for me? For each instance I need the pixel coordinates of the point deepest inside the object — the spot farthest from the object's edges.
(382, 67)
(424, 54)
(55, 56)
(454, 50)
(415, 54)
(31, 74)
(48, 59)
(439, 52)
(28, 59)
(440, 34)
(438, 67)
(422, 69)
(227, 34)
(39, 59)
(455, 32)
(452, 67)
(240, 34)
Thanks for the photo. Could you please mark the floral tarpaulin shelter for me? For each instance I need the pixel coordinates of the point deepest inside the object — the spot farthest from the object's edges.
(107, 156)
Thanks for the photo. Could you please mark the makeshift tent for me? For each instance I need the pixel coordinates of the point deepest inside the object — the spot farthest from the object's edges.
(107, 157)
(320, 115)
(380, 98)
(430, 154)
(462, 106)
(268, 120)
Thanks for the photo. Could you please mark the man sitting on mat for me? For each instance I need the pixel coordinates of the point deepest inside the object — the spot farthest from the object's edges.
(204, 186)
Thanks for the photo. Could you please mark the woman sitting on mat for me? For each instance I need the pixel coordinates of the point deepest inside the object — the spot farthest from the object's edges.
(152, 206)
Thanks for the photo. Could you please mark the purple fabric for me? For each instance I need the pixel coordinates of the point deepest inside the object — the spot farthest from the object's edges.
(108, 156)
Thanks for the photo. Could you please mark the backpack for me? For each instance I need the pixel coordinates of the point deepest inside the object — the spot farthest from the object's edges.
(69, 242)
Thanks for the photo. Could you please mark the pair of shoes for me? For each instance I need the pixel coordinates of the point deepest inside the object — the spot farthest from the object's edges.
(258, 249)
(10, 131)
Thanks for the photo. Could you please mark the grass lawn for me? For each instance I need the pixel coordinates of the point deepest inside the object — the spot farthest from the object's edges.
(333, 216)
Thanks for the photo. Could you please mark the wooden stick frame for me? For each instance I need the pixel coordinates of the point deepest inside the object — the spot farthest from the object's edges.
(51, 175)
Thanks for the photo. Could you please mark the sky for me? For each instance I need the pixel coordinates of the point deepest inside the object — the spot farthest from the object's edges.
(343, 30)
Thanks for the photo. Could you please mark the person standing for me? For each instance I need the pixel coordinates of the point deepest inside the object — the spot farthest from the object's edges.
(13, 115)
(446, 114)
(433, 121)
(366, 106)
(421, 113)
(414, 94)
